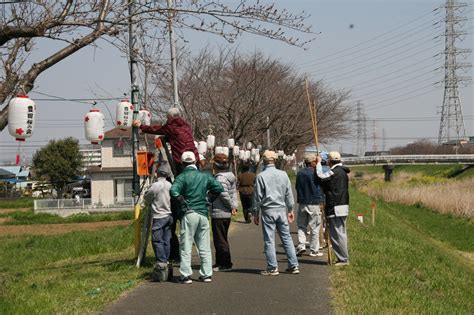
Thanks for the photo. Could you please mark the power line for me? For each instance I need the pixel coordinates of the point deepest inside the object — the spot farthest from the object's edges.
(337, 53)
(380, 48)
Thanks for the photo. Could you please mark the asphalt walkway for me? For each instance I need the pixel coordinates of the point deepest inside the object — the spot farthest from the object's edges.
(240, 291)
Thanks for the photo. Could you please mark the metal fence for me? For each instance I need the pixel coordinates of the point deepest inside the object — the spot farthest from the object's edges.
(66, 207)
(411, 159)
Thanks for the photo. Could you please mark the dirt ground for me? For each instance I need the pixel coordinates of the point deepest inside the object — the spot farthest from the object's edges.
(51, 229)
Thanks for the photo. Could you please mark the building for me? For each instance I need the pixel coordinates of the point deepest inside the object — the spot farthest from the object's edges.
(91, 155)
(111, 181)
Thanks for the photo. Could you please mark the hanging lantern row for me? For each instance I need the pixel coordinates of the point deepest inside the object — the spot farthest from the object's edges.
(21, 117)
(250, 154)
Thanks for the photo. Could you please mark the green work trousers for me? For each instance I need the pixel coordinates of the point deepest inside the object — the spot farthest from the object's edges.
(195, 229)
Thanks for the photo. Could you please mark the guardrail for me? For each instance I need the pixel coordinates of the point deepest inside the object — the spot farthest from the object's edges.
(411, 159)
(66, 207)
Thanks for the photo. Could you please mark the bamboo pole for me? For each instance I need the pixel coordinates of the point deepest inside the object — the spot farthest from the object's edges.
(314, 123)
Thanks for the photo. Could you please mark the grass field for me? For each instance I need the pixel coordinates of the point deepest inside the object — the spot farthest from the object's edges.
(24, 202)
(28, 217)
(413, 261)
(77, 272)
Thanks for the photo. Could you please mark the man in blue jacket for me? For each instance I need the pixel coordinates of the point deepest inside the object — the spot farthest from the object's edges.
(309, 197)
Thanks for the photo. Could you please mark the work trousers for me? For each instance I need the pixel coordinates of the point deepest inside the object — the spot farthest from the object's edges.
(338, 232)
(277, 220)
(195, 229)
(246, 200)
(220, 229)
(160, 238)
(309, 216)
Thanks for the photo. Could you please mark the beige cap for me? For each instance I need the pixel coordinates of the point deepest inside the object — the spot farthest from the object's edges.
(334, 156)
(270, 155)
(188, 157)
(310, 157)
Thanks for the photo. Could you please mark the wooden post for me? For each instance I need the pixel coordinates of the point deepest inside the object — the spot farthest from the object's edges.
(373, 206)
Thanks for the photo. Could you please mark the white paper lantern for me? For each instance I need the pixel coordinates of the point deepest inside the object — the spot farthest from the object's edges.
(21, 117)
(124, 114)
(202, 147)
(225, 150)
(242, 155)
(94, 126)
(144, 116)
(281, 153)
(256, 158)
(219, 150)
(230, 143)
(211, 140)
(257, 152)
(236, 150)
(249, 145)
(253, 152)
(247, 155)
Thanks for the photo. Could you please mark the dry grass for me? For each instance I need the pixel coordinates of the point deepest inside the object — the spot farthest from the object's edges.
(448, 196)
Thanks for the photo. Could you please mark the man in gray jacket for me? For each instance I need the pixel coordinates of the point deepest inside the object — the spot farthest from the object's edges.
(223, 207)
(158, 198)
(274, 199)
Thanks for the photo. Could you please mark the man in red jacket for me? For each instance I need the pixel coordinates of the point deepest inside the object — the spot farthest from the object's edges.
(178, 132)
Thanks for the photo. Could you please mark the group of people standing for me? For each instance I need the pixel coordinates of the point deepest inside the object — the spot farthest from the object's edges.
(266, 198)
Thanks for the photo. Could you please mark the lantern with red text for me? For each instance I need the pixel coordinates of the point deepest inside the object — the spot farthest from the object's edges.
(124, 114)
(21, 117)
(94, 126)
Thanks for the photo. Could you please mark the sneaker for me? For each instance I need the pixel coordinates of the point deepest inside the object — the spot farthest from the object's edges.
(300, 251)
(315, 254)
(273, 272)
(185, 280)
(205, 279)
(294, 270)
(342, 263)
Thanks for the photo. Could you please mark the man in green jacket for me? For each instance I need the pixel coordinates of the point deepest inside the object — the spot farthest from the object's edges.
(190, 189)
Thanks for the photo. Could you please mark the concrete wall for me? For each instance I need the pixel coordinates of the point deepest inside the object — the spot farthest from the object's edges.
(108, 158)
(102, 188)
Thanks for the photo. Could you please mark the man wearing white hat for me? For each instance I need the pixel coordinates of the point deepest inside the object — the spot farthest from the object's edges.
(274, 199)
(190, 189)
(335, 183)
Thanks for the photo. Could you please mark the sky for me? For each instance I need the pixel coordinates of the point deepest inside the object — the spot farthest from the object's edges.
(387, 53)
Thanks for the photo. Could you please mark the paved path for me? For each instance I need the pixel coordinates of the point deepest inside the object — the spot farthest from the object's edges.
(241, 291)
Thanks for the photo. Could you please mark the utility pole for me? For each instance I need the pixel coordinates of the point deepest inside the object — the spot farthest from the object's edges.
(269, 143)
(384, 136)
(133, 49)
(452, 122)
(173, 54)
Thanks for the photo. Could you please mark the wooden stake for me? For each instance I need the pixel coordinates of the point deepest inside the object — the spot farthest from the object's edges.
(373, 206)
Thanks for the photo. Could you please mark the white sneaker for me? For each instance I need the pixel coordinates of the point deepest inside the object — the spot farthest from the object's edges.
(315, 254)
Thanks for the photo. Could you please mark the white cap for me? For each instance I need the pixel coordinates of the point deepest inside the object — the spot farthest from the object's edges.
(188, 157)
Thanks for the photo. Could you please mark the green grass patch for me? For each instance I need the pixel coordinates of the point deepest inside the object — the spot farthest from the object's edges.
(28, 217)
(78, 272)
(431, 170)
(23, 202)
(406, 264)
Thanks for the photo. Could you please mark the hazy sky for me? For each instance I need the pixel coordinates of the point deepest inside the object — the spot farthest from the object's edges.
(386, 52)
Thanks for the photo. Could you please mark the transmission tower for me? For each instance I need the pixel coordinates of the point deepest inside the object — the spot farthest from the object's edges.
(452, 123)
(361, 130)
